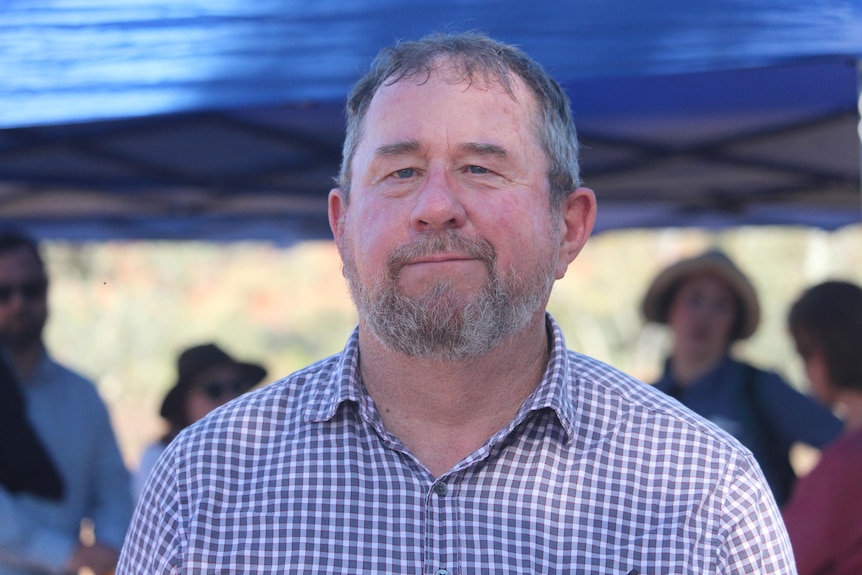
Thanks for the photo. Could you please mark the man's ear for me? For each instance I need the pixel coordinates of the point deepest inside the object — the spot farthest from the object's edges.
(578, 214)
(337, 206)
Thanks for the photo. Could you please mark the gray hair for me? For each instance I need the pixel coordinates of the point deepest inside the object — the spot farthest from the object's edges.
(480, 59)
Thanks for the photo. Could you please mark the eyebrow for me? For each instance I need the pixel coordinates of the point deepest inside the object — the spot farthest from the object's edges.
(412, 146)
(397, 148)
(484, 149)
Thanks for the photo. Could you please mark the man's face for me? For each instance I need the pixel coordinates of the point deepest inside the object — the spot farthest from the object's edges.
(449, 242)
(23, 299)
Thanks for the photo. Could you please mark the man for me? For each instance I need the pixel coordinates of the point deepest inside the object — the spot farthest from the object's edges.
(455, 434)
(41, 532)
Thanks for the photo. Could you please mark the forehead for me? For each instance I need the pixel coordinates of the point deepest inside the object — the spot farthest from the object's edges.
(428, 98)
(706, 283)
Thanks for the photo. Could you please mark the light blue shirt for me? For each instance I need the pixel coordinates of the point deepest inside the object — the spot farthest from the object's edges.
(145, 467)
(38, 535)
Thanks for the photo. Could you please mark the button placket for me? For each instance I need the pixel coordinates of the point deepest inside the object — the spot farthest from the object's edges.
(441, 528)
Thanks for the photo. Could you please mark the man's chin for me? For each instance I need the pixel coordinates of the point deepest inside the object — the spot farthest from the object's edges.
(434, 288)
(449, 303)
(17, 341)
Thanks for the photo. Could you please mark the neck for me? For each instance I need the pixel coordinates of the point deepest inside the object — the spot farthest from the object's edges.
(687, 369)
(444, 410)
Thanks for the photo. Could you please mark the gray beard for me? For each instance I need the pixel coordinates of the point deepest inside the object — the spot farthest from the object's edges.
(440, 324)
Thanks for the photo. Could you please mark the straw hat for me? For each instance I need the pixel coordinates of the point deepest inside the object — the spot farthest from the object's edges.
(657, 300)
(195, 360)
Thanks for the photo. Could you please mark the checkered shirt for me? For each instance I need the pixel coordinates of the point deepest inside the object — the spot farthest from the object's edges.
(597, 474)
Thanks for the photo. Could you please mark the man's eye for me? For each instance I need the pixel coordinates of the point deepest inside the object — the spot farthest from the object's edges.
(405, 173)
(477, 170)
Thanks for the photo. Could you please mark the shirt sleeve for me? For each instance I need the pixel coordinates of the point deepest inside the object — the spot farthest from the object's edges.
(755, 539)
(111, 491)
(155, 541)
(796, 416)
(145, 467)
(26, 544)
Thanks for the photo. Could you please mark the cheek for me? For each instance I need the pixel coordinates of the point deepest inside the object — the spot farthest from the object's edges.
(818, 379)
(520, 231)
(197, 407)
(365, 230)
(724, 322)
(677, 315)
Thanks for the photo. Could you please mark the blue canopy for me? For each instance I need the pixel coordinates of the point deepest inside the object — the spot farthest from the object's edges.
(223, 119)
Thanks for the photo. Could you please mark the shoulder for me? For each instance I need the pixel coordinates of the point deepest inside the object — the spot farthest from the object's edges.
(600, 383)
(631, 429)
(152, 452)
(844, 455)
(763, 377)
(616, 399)
(839, 468)
(272, 411)
(830, 486)
(767, 386)
(65, 382)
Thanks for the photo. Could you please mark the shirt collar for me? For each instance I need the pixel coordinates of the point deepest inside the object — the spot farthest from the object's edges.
(342, 383)
(557, 389)
(554, 391)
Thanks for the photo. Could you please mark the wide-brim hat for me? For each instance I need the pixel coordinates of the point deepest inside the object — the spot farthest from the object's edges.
(195, 360)
(656, 302)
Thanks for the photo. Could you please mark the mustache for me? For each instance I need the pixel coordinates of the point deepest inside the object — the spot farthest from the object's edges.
(450, 241)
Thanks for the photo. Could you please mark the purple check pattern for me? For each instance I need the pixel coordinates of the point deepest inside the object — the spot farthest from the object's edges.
(597, 474)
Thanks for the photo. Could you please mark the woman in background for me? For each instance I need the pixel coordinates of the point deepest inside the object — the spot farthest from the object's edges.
(709, 305)
(824, 514)
(207, 378)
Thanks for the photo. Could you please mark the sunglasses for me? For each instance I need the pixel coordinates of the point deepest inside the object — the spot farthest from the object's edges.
(30, 291)
(217, 391)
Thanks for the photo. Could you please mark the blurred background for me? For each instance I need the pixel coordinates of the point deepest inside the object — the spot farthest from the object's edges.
(122, 311)
(174, 156)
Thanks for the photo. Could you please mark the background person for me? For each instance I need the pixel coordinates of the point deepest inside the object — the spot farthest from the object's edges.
(42, 534)
(824, 514)
(709, 304)
(25, 464)
(455, 433)
(207, 378)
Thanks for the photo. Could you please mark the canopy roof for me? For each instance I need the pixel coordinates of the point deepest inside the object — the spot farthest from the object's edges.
(223, 119)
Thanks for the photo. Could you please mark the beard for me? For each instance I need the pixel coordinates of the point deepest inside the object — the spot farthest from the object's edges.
(442, 323)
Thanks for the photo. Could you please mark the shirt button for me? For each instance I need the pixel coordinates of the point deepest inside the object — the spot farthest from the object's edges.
(441, 489)
(441, 571)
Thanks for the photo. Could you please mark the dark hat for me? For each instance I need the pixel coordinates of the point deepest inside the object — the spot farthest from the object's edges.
(193, 361)
(656, 302)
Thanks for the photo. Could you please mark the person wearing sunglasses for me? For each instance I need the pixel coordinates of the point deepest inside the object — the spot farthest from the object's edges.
(40, 529)
(207, 377)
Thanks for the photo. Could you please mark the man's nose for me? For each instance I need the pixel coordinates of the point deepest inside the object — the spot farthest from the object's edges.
(438, 205)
